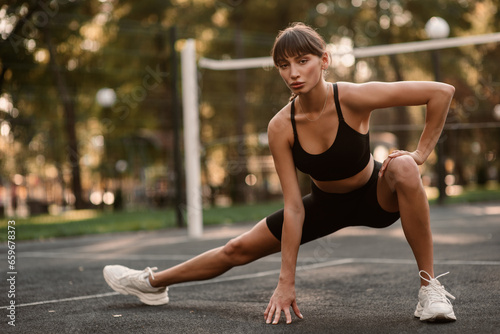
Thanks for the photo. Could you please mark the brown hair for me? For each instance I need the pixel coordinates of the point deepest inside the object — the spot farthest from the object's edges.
(296, 40)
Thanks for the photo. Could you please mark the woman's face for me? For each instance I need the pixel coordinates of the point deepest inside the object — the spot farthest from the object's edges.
(301, 73)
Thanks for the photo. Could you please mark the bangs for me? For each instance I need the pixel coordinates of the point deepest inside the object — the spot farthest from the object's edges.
(296, 42)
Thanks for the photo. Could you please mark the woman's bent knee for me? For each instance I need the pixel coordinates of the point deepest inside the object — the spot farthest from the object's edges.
(403, 171)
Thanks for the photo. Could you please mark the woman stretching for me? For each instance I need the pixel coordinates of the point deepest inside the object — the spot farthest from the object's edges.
(323, 132)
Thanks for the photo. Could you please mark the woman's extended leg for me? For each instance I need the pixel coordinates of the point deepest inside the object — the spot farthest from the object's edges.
(151, 288)
(248, 247)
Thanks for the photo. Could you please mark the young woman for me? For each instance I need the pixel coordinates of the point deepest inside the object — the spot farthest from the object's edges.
(323, 132)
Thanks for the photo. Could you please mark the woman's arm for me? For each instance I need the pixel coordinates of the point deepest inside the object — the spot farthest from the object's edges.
(375, 95)
(284, 295)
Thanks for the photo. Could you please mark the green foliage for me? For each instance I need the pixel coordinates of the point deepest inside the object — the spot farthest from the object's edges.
(125, 45)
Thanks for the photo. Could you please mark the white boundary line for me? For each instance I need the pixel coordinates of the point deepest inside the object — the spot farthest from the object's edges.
(123, 257)
(275, 272)
(93, 256)
(101, 295)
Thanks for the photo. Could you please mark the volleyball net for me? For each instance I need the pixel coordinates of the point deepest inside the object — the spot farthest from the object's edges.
(190, 68)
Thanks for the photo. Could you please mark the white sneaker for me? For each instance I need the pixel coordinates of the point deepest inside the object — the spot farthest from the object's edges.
(134, 282)
(433, 304)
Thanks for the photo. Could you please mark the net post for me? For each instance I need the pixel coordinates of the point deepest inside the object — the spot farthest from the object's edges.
(191, 124)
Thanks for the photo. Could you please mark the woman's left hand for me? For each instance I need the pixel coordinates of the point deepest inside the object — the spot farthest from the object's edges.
(283, 298)
(415, 155)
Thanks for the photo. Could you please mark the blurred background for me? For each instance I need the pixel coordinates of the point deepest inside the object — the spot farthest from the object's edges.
(90, 114)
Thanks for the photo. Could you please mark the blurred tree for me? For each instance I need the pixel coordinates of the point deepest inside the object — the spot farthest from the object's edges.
(23, 54)
(55, 56)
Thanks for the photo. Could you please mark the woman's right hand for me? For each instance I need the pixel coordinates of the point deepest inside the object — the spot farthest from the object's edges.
(283, 297)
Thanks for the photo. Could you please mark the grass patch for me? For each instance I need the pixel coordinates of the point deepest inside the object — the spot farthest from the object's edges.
(77, 223)
(474, 195)
(83, 222)
(239, 213)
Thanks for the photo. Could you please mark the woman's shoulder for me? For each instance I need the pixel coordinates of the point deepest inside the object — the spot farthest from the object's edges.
(348, 88)
(359, 96)
(281, 120)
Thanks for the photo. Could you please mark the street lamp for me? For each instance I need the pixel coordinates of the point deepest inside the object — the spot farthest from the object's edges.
(496, 112)
(106, 98)
(437, 28)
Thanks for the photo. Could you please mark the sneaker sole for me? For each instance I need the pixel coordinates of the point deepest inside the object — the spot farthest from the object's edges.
(438, 317)
(160, 300)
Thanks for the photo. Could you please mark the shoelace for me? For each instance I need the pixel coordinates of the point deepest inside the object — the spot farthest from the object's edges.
(150, 271)
(436, 291)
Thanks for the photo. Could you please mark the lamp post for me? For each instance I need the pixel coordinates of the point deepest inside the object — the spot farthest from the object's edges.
(437, 28)
(106, 98)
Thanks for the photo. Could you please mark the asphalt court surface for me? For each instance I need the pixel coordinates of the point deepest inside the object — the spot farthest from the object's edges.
(358, 280)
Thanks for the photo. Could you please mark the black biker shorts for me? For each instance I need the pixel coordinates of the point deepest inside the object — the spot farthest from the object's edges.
(326, 213)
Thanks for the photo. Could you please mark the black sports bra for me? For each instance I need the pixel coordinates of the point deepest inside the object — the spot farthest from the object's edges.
(348, 155)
